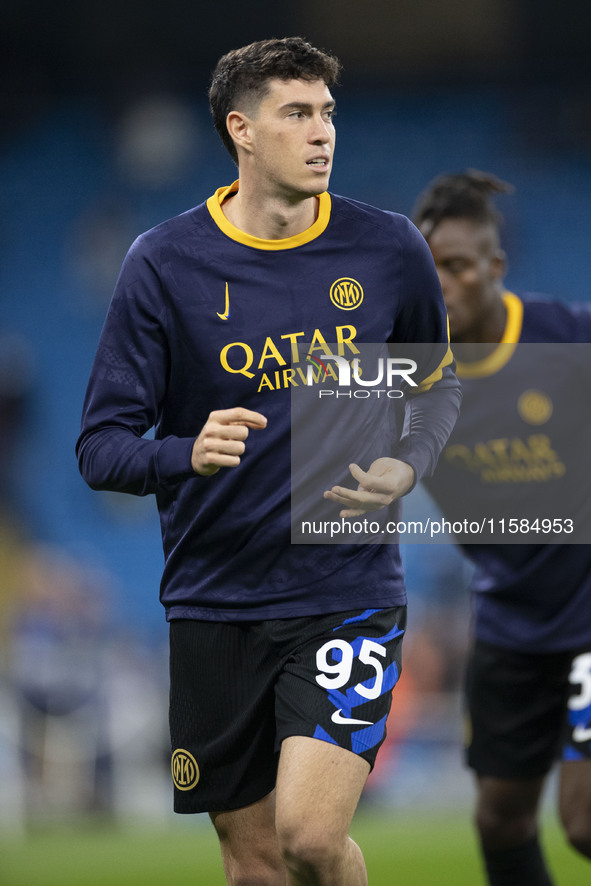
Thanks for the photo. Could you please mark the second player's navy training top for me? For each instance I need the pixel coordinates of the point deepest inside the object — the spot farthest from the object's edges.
(520, 431)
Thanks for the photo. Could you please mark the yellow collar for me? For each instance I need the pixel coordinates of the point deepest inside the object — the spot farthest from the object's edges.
(214, 204)
(505, 348)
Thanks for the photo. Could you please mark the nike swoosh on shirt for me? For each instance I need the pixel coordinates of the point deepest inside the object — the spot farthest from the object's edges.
(581, 733)
(226, 313)
(338, 718)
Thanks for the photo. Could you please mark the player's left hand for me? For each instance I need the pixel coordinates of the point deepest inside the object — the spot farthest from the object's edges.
(385, 481)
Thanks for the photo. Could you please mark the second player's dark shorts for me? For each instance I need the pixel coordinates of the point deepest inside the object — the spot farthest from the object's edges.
(239, 689)
(526, 711)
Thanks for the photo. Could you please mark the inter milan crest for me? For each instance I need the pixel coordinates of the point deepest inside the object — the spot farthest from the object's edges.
(534, 407)
(346, 294)
(185, 771)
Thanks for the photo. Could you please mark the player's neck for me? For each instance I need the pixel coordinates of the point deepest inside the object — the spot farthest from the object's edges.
(491, 327)
(482, 339)
(269, 217)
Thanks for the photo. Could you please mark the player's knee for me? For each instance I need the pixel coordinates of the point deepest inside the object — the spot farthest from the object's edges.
(311, 862)
(252, 866)
(254, 878)
(310, 854)
(489, 824)
(580, 842)
(247, 874)
(500, 831)
(578, 834)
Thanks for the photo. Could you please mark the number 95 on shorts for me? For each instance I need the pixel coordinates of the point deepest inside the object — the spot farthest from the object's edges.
(337, 687)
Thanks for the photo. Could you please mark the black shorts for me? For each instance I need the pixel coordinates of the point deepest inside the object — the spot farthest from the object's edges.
(526, 711)
(238, 689)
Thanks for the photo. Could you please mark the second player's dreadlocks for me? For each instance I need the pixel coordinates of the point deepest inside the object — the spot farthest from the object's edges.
(467, 194)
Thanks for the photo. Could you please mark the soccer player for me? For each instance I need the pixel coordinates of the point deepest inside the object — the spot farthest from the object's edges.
(283, 656)
(529, 670)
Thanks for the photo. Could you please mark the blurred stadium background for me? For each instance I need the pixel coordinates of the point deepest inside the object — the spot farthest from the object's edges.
(104, 131)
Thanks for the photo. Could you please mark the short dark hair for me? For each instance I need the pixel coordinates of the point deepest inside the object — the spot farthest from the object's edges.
(467, 195)
(242, 75)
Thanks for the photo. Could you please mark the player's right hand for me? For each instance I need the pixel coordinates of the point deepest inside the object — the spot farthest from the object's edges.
(221, 442)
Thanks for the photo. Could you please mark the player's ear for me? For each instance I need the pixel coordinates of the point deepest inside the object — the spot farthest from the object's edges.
(499, 264)
(239, 128)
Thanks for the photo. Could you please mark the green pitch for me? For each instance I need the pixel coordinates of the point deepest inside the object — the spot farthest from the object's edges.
(411, 850)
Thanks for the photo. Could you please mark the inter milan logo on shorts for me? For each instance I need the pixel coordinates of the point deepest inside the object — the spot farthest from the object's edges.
(346, 294)
(185, 771)
(534, 407)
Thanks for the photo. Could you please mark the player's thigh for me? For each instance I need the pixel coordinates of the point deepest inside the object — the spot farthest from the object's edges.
(515, 711)
(505, 799)
(318, 788)
(337, 684)
(575, 796)
(506, 812)
(222, 716)
(248, 839)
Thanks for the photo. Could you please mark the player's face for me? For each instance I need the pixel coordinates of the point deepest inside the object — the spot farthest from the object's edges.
(293, 138)
(470, 267)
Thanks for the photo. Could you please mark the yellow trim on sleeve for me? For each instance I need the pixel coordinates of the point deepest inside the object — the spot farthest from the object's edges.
(505, 348)
(437, 374)
(214, 205)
